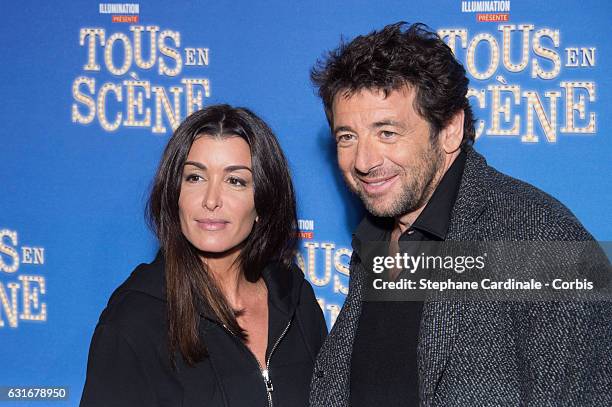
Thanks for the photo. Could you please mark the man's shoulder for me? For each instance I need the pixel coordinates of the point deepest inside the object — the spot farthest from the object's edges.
(518, 205)
(507, 191)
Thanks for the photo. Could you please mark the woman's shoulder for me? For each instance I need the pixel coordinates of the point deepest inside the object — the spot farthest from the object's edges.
(310, 315)
(139, 301)
(128, 353)
(301, 286)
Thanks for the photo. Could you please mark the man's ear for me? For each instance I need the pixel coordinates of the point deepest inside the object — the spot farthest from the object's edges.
(451, 136)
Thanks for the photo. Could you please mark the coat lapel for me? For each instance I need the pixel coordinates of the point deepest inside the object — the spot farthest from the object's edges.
(331, 380)
(441, 320)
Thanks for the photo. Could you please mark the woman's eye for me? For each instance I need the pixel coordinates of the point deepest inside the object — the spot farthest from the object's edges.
(236, 181)
(193, 178)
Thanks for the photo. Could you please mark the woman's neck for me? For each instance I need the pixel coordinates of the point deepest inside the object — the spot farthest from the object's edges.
(231, 281)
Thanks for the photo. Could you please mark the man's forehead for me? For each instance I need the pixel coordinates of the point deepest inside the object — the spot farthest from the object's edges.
(380, 93)
(373, 104)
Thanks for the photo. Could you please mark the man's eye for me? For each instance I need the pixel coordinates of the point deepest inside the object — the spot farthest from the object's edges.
(387, 134)
(344, 138)
(236, 181)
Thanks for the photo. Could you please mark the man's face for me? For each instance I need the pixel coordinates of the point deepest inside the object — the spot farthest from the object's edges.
(385, 151)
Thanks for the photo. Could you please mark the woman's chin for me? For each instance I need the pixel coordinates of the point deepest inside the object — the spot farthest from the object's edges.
(217, 249)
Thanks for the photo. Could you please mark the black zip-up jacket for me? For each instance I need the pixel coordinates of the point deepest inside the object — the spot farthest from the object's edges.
(128, 359)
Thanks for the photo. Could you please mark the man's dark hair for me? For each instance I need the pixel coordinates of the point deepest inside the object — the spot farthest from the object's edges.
(394, 57)
(189, 283)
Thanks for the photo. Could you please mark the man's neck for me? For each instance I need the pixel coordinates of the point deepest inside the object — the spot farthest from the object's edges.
(405, 221)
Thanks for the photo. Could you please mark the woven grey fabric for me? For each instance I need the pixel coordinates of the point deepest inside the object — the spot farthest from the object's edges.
(492, 353)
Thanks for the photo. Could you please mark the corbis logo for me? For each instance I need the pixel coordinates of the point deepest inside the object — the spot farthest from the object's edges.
(561, 108)
(21, 296)
(129, 101)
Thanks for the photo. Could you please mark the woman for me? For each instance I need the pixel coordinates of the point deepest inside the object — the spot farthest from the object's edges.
(221, 317)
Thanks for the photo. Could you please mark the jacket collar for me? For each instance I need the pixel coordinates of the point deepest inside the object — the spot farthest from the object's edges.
(471, 199)
(435, 217)
(458, 181)
(283, 283)
(441, 319)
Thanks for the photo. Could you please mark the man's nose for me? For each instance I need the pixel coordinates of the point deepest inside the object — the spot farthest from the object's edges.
(367, 156)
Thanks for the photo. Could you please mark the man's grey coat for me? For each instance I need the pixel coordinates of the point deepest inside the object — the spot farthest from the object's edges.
(492, 353)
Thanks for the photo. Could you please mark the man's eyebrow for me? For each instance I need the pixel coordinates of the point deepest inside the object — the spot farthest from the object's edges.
(387, 122)
(342, 128)
(375, 125)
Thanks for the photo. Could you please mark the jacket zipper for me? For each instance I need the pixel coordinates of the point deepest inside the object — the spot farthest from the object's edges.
(265, 373)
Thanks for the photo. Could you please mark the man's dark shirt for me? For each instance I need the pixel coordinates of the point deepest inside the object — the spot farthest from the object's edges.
(384, 359)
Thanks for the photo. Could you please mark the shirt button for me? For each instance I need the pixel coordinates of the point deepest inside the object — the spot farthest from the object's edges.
(411, 231)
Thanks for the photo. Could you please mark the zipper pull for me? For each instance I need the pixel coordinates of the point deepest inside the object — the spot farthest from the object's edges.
(266, 376)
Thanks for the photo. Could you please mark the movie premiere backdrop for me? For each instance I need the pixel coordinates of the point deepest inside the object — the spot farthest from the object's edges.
(92, 92)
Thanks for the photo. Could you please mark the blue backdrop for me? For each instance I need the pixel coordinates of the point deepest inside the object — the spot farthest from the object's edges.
(89, 104)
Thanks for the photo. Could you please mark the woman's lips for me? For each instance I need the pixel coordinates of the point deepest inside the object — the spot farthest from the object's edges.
(211, 224)
(378, 185)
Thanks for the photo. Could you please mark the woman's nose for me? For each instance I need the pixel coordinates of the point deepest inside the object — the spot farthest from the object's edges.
(213, 196)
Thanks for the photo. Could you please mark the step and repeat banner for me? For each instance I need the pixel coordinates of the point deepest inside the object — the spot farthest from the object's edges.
(92, 92)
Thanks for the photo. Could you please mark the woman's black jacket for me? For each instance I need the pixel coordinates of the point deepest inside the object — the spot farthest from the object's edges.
(128, 359)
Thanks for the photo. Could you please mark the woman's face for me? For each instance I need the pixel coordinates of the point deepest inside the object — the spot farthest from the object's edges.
(216, 203)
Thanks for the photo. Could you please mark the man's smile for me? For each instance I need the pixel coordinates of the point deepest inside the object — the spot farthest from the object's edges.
(378, 185)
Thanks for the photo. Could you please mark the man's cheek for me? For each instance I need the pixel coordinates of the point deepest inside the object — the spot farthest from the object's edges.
(344, 160)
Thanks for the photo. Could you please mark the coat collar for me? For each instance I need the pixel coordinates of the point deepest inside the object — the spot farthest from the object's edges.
(441, 319)
(283, 284)
(470, 202)
(471, 199)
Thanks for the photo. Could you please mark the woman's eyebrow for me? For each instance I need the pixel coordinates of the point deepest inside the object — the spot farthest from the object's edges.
(229, 168)
(196, 164)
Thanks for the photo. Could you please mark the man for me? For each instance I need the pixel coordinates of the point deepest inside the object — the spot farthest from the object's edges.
(396, 103)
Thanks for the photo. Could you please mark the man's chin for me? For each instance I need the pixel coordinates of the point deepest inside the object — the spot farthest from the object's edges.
(387, 206)
(380, 205)
(376, 207)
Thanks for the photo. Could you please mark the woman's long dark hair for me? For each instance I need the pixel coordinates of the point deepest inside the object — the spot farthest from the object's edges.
(189, 285)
